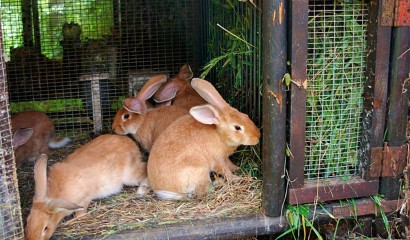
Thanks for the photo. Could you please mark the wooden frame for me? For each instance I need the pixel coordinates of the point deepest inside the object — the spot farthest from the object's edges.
(302, 191)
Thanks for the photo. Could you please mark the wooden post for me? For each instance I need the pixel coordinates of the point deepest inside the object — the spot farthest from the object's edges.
(375, 91)
(274, 105)
(398, 104)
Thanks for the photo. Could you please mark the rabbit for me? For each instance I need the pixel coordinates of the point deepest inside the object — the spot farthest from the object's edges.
(96, 170)
(179, 90)
(195, 144)
(145, 124)
(42, 136)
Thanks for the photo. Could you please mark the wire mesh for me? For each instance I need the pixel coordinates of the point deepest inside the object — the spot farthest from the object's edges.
(233, 50)
(11, 226)
(336, 73)
(62, 52)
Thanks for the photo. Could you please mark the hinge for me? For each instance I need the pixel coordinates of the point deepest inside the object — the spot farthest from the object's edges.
(395, 13)
(388, 161)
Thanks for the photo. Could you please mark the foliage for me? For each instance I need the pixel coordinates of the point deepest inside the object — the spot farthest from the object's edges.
(336, 68)
(233, 45)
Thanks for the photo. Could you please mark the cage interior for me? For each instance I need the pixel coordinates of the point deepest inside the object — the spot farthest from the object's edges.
(76, 60)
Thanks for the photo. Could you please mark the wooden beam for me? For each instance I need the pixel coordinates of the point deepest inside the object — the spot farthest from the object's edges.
(299, 10)
(274, 105)
(333, 189)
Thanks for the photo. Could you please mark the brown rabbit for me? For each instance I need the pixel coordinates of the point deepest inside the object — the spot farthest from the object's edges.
(194, 145)
(96, 170)
(179, 90)
(145, 125)
(28, 146)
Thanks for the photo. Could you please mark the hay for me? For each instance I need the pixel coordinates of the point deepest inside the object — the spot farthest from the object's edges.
(126, 211)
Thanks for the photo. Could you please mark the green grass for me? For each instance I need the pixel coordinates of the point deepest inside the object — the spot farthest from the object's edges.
(336, 68)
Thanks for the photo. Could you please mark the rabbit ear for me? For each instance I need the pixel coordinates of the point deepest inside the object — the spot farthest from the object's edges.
(21, 136)
(151, 86)
(185, 73)
(40, 179)
(166, 93)
(134, 105)
(205, 114)
(208, 92)
(58, 205)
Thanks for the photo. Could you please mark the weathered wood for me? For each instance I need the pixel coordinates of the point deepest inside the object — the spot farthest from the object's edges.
(366, 208)
(333, 189)
(299, 10)
(219, 228)
(399, 97)
(375, 91)
(274, 105)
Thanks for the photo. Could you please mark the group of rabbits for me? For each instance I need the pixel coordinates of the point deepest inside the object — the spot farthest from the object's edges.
(189, 132)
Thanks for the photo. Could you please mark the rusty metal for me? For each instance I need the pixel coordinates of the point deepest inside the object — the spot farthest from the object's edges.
(395, 13)
(367, 208)
(332, 190)
(388, 161)
(387, 17)
(402, 13)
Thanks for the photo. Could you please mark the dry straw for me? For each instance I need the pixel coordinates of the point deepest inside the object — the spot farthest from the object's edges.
(126, 211)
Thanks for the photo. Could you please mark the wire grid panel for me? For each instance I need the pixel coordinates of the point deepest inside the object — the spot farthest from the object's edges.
(11, 226)
(336, 73)
(233, 47)
(62, 52)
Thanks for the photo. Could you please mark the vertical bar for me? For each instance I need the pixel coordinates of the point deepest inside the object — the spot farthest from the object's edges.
(375, 91)
(36, 26)
(398, 104)
(274, 42)
(299, 18)
(27, 23)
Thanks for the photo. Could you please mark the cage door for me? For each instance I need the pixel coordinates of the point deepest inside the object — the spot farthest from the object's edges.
(332, 126)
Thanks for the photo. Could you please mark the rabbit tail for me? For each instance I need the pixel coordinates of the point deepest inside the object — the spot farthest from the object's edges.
(59, 143)
(167, 195)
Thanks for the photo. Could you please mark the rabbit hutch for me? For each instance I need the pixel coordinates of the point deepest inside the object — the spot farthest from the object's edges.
(326, 81)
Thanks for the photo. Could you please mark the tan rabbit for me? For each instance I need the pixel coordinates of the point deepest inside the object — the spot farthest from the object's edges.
(145, 125)
(194, 145)
(28, 146)
(96, 170)
(179, 90)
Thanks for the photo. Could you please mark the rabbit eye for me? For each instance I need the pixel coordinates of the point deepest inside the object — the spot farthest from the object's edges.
(45, 229)
(237, 128)
(126, 116)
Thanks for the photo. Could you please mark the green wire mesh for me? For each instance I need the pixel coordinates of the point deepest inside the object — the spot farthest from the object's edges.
(336, 73)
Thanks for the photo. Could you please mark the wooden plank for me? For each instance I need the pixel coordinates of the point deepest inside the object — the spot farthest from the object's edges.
(299, 34)
(398, 104)
(367, 208)
(274, 20)
(218, 228)
(375, 91)
(333, 189)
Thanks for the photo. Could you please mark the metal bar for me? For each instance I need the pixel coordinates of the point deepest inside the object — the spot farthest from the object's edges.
(375, 92)
(332, 190)
(299, 18)
(274, 20)
(399, 96)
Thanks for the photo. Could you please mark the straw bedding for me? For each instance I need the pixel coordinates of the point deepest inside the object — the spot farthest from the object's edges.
(126, 211)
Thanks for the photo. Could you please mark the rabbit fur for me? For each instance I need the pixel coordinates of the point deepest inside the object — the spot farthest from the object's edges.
(33, 134)
(194, 145)
(142, 123)
(96, 170)
(179, 90)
